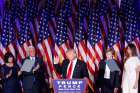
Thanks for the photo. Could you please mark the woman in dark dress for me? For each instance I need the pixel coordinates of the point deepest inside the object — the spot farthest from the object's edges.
(108, 80)
(10, 75)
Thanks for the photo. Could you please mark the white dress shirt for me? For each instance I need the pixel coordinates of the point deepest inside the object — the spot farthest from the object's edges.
(32, 58)
(73, 63)
(107, 72)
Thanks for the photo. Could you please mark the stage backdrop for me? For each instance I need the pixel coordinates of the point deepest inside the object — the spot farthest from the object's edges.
(52, 26)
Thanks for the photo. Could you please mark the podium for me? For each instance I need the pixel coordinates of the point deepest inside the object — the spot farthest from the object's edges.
(69, 85)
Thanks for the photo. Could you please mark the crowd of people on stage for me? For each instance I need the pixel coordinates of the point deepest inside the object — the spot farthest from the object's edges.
(112, 77)
(13, 80)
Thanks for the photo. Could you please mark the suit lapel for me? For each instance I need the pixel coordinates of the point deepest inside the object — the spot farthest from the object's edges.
(65, 65)
(28, 57)
(76, 69)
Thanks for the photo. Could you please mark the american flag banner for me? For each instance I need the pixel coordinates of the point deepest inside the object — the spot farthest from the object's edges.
(45, 43)
(114, 37)
(94, 43)
(103, 7)
(25, 37)
(20, 39)
(31, 8)
(130, 20)
(80, 30)
(15, 8)
(52, 23)
(32, 12)
(51, 7)
(80, 44)
(22, 42)
(61, 39)
(70, 22)
(1, 7)
(53, 26)
(7, 36)
(4, 37)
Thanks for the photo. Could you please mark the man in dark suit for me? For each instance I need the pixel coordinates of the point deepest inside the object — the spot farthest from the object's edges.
(31, 80)
(72, 67)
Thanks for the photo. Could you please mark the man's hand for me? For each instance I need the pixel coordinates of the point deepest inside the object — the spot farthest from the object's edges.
(100, 90)
(115, 90)
(56, 60)
(36, 68)
(0, 86)
(9, 74)
(19, 73)
(50, 82)
(86, 79)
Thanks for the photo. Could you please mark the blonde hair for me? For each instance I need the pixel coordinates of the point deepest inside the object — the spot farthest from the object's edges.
(31, 47)
(69, 50)
(110, 50)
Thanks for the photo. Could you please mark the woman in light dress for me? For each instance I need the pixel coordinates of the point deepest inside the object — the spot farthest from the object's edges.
(131, 71)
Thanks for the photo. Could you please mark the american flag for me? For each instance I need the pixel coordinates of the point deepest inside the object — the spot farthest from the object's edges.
(80, 30)
(114, 37)
(62, 21)
(129, 20)
(80, 44)
(31, 13)
(45, 42)
(23, 42)
(103, 7)
(51, 7)
(25, 37)
(52, 21)
(8, 36)
(95, 41)
(26, 33)
(4, 37)
(70, 21)
(31, 8)
(61, 40)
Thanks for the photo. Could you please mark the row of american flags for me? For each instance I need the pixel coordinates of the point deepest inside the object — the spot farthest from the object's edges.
(53, 26)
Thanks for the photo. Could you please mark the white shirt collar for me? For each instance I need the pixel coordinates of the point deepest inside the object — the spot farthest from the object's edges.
(75, 60)
(32, 58)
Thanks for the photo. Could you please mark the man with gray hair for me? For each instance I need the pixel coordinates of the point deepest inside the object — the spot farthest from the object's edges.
(31, 80)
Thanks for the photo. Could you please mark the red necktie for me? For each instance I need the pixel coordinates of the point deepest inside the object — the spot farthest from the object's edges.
(69, 70)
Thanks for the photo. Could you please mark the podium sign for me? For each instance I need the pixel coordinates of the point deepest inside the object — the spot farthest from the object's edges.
(69, 85)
